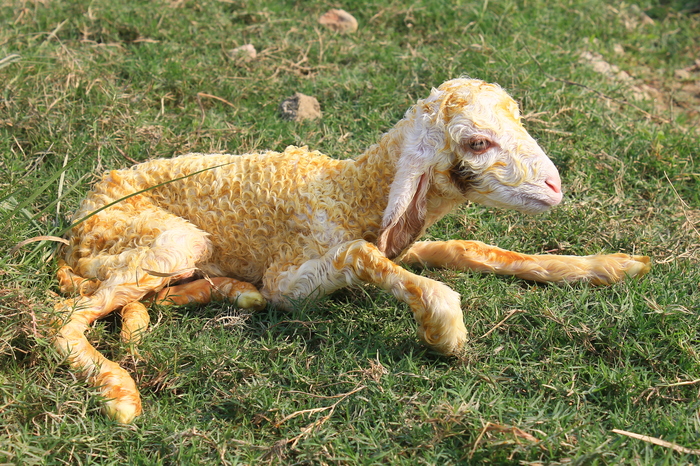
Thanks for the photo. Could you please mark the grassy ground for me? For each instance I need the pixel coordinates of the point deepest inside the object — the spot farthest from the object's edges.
(88, 86)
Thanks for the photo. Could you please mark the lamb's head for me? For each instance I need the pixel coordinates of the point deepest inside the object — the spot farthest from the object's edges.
(465, 142)
(494, 160)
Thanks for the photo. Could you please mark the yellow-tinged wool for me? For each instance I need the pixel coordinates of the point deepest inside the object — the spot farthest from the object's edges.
(257, 208)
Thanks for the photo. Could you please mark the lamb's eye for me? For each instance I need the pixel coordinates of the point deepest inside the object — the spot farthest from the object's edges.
(478, 144)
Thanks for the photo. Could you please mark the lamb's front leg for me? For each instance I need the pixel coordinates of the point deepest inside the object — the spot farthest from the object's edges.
(600, 269)
(435, 306)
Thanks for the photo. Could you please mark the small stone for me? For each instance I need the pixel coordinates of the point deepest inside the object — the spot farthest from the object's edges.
(682, 74)
(633, 17)
(300, 107)
(244, 53)
(339, 21)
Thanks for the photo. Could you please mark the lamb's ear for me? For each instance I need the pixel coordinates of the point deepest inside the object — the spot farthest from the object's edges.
(404, 217)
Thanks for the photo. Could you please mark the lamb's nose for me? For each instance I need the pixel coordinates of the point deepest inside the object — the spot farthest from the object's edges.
(554, 196)
(554, 182)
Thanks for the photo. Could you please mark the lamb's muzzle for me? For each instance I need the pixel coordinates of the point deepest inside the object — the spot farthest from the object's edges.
(547, 192)
(282, 227)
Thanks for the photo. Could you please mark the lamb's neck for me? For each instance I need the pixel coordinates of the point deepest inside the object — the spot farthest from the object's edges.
(379, 161)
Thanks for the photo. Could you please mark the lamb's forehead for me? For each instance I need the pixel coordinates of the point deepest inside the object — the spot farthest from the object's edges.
(481, 102)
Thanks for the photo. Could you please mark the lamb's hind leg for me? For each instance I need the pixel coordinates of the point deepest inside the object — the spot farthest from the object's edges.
(73, 317)
(242, 294)
(135, 318)
(126, 281)
(474, 255)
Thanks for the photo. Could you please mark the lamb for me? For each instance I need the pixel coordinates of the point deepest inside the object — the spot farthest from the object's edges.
(276, 227)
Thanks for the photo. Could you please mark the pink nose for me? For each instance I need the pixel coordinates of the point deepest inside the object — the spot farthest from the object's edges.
(554, 182)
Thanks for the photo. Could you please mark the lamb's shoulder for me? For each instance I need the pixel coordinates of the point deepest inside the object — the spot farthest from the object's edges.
(340, 204)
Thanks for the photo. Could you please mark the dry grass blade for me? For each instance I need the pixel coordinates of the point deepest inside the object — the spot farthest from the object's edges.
(318, 410)
(209, 96)
(491, 427)
(11, 58)
(61, 180)
(21, 244)
(169, 274)
(678, 384)
(658, 441)
(277, 448)
(510, 314)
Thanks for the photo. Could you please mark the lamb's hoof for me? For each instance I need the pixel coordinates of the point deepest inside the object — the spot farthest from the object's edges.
(612, 268)
(251, 300)
(122, 401)
(633, 266)
(641, 266)
(123, 411)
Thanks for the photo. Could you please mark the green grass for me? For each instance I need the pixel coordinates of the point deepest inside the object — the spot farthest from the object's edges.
(98, 85)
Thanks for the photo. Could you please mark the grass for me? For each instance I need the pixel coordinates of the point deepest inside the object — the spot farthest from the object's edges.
(90, 86)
